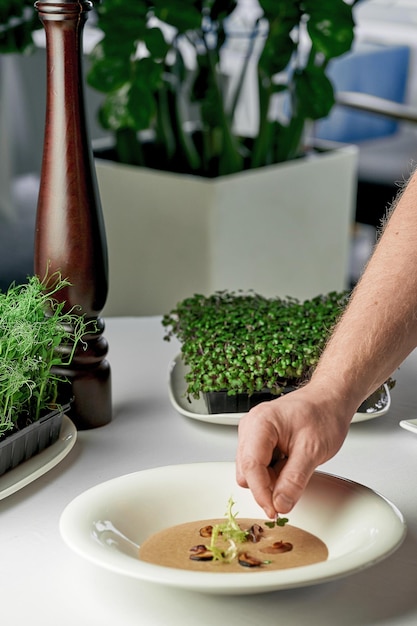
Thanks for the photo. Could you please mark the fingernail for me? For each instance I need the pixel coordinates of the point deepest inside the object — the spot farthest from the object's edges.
(283, 503)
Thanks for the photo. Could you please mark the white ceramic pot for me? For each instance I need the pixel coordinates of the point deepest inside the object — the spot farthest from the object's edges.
(279, 230)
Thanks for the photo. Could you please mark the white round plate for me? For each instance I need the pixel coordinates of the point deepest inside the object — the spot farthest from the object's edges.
(37, 465)
(378, 404)
(107, 524)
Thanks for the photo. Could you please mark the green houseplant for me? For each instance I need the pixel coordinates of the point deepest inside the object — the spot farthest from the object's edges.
(170, 103)
(290, 41)
(36, 337)
(242, 348)
(211, 195)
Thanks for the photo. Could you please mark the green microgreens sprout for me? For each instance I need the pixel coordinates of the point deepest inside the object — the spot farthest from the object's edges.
(278, 521)
(242, 342)
(37, 338)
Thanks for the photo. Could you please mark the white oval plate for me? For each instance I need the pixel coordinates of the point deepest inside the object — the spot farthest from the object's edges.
(37, 465)
(107, 524)
(197, 409)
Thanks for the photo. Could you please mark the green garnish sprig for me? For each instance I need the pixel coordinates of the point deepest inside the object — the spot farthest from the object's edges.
(278, 521)
(231, 532)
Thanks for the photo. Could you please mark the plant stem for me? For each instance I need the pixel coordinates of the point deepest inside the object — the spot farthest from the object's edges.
(174, 119)
(128, 148)
(230, 160)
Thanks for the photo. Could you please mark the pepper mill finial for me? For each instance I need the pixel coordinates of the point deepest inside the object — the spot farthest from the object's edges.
(70, 235)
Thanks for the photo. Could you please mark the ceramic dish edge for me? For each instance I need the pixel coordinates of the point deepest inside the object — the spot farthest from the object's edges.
(197, 410)
(77, 520)
(28, 471)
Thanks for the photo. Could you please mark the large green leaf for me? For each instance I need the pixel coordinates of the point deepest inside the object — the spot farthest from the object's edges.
(122, 21)
(113, 113)
(183, 15)
(314, 95)
(133, 104)
(155, 43)
(330, 26)
(146, 81)
(128, 107)
(124, 11)
(283, 17)
(141, 106)
(109, 71)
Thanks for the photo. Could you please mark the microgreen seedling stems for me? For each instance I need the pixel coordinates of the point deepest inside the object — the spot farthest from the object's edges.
(33, 325)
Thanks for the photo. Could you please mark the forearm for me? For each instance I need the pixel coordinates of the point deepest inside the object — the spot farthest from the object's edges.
(379, 327)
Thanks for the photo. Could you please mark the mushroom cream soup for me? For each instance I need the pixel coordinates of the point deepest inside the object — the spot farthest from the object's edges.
(189, 546)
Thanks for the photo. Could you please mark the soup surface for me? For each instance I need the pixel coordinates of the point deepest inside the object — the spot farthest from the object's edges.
(274, 548)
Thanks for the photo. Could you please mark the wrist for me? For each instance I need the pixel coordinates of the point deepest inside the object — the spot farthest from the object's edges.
(336, 396)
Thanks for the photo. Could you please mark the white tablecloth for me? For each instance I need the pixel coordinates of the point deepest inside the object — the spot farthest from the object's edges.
(44, 583)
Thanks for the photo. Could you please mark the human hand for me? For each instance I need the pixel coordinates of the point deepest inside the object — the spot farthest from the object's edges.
(281, 443)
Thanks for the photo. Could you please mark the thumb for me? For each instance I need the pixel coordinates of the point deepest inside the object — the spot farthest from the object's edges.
(293, 478)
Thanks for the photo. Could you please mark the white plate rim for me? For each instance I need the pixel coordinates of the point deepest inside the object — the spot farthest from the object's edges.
(176, 395)
(410, 425)
(83, 543)
(28, 471)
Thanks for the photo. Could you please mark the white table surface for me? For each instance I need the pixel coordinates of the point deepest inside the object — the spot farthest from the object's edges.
(44, 583)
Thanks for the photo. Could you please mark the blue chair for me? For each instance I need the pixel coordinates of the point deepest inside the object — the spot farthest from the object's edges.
(371, 89)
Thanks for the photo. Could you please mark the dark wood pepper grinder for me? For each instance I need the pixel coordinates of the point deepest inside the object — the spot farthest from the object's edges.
(70, 235)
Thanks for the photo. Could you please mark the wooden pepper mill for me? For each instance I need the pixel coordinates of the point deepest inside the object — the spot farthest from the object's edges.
(70, 235)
